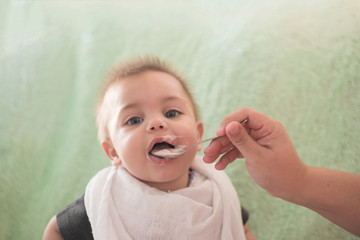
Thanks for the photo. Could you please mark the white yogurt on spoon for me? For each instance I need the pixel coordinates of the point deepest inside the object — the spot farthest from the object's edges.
(169, 152)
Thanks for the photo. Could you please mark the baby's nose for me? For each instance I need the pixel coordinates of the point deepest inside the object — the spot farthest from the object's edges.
(157, 127)
(157, 124)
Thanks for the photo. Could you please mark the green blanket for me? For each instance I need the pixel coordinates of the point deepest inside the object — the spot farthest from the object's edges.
(296, 61)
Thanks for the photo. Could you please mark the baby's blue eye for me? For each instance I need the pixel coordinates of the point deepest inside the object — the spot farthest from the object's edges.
(172, 114)
(134, 121)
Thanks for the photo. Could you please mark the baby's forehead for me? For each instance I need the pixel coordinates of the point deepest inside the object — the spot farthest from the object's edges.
(149, 84)
(146, 80)
(148, 89)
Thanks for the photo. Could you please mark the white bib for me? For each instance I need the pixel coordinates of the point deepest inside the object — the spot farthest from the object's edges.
(119, 206)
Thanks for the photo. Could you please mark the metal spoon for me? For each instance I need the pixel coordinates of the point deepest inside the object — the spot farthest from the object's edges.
(176, 152)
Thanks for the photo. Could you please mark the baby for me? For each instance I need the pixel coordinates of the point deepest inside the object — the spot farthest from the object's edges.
(146, 107)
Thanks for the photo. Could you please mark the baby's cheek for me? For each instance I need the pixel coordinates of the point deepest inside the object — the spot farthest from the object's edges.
(126, 147)
(193, 135)
(132, 148)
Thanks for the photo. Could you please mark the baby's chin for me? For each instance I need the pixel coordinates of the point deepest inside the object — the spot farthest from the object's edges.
(169, 183)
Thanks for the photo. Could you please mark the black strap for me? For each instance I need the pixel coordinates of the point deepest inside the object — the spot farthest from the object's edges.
(73, 222)
(245, 215)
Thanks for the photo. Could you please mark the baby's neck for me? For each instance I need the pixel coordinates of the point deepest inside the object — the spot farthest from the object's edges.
(182, 182)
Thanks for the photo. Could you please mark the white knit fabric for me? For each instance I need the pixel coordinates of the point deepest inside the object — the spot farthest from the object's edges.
(120, 206)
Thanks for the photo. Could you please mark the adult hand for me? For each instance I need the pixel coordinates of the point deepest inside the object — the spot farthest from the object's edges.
(271, 158)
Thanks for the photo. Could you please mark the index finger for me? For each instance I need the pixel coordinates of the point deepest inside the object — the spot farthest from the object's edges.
(217, 147)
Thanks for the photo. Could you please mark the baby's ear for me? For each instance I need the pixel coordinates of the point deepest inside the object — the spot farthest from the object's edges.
(200, 133)
(111, 153)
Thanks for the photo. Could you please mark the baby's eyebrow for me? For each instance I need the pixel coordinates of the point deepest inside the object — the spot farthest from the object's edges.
(173, 98)
(129, 106)
(136, 104)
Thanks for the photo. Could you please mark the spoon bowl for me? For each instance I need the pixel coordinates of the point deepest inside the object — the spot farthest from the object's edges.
(177, 151)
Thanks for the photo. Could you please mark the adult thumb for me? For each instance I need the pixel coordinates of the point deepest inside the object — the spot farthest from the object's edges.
(239, 137)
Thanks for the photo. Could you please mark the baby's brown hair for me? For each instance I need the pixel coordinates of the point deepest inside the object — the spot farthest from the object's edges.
(135, 66)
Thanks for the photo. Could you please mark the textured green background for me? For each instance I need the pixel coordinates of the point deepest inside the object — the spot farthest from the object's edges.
(296, 61)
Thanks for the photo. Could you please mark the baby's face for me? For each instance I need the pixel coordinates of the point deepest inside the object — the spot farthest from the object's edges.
(146, 110)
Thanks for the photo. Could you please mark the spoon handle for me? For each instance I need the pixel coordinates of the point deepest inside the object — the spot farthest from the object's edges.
(205, 140)
(212, 138)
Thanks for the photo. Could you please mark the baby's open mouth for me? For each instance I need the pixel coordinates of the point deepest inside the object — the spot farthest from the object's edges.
(166, 147)
(159, 148)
